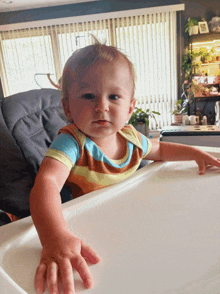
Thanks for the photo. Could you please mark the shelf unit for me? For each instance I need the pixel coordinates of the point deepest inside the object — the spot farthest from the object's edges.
(204, 37)
(208, 40)
(207, 103)
(208, 98)
(210, 63)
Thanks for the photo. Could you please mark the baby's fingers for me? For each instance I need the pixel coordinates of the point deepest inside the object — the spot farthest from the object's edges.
(213, 162)
(52, 278)
(40, 278)
(82, 268)
(203, 164)
(89, 253)
(218, 162)
(66, 273)
(202, 167)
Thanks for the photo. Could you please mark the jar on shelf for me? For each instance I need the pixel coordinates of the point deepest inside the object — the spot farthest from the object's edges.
(217, 79)
(214, 24)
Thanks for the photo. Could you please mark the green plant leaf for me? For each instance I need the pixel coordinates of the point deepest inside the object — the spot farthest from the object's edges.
(140, 116)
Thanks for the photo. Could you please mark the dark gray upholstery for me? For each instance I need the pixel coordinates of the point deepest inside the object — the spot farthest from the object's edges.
(15, 181)
(34, 119)
(29, 122)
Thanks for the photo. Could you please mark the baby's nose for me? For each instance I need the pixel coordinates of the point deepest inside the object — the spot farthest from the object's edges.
(102, 104)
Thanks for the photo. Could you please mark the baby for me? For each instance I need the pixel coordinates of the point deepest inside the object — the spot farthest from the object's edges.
(96, 150)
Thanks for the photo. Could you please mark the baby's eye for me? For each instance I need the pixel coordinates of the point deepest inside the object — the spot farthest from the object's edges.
(88, 96)
(113, 97)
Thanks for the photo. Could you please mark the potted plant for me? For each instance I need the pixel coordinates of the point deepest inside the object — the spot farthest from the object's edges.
(213, 54)
(187, 65)
(178, 112)
(140, 120)
(191, 62)
(192, 26)
(205, 55)
(196, 58)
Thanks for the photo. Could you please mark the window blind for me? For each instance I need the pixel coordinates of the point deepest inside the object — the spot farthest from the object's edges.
(148, 39)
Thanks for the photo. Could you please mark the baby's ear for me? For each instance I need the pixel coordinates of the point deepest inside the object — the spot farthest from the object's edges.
(132, 106)
(66, 108)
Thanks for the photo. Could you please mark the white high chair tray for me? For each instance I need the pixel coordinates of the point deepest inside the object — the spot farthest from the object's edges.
(157, 232)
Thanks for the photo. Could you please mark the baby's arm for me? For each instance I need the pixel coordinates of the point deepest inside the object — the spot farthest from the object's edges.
(62, 249)
(167, 151)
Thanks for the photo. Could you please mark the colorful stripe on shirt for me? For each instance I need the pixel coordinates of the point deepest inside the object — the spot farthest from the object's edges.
(89, 168)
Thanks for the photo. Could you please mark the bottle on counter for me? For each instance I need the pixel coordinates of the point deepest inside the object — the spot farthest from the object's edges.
(204, 120)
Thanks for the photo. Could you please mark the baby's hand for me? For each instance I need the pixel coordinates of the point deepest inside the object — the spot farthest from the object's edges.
(204, 160)
(59, 256)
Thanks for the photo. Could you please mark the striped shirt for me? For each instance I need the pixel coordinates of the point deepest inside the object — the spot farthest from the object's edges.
(90, 169)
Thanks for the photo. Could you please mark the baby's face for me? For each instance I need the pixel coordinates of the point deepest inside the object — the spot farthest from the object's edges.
(102, 102)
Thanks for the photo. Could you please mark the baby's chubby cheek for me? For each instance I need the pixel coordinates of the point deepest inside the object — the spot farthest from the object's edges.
(83, 113)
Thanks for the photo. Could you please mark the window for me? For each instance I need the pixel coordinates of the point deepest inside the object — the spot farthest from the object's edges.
(147, 38)
(25, 55)
(74, 36)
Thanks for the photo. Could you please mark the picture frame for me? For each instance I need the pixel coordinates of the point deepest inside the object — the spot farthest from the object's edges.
(203, 27)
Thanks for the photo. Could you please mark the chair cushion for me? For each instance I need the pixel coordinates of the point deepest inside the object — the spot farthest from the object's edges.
(15, 181)
(29, 122)
(34, 119)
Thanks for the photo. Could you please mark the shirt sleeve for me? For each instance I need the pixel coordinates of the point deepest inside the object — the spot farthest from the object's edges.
(146, 145)
(65, 149)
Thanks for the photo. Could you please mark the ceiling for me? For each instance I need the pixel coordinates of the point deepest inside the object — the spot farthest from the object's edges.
(12, 5)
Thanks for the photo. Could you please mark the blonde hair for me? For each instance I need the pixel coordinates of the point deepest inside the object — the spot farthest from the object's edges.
(82, 59)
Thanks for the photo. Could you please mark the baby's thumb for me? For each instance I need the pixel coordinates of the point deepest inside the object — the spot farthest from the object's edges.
(90, 254)
(201, 165)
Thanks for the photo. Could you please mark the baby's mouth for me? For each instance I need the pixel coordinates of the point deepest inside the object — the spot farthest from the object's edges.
(101, 121)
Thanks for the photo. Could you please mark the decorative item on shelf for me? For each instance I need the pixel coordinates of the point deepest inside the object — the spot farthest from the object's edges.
(206, 92)
(199, 115)
(193, 120)
(178, 116)
(214, 24)
(213, 91)
(205, 54)
(185, 119)
(203, 27)
(140, 120)
(192, 27)
(197, 89)
(217, 78)
(204, 120)
(211, 79)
